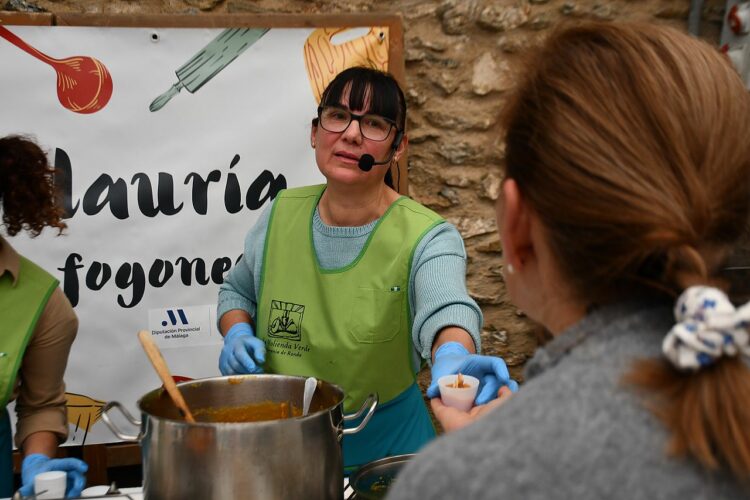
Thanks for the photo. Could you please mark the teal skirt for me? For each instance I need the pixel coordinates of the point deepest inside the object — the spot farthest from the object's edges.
(400, 426)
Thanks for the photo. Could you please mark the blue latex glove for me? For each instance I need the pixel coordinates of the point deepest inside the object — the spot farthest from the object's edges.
(452, 358)
(243, 352)
(36, 463)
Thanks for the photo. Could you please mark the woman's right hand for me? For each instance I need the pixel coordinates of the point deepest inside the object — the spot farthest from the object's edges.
(453, 419)
(243, 352)
(37, 463)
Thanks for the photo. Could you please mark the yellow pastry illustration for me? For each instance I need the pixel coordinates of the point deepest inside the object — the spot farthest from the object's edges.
(83, 412)
(325, 59)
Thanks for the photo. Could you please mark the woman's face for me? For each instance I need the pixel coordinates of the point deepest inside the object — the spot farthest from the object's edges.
(337, 153)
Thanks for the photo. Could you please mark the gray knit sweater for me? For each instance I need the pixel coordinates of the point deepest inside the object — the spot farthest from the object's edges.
(573, 431)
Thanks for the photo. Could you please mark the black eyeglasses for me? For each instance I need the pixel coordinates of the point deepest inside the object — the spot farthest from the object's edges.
(373, 127)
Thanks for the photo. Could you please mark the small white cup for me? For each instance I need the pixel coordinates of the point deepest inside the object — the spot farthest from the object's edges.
(49, 485)
(459, 398)
(95, 491)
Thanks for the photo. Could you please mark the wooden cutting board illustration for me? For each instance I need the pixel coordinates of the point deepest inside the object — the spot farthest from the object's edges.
(325, 59)
(209, 61)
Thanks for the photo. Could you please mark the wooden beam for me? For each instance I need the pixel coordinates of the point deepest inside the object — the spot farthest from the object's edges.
(228, 20)
(26, 18)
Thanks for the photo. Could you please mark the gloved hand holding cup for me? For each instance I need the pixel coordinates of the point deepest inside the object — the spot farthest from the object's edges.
(452, 358)
(62, 477)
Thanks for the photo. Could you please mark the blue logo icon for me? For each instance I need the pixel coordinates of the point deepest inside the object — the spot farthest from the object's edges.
(173, 318)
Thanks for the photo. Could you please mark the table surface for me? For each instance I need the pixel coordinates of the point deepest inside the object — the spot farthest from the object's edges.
(137, 493)
(126, 493)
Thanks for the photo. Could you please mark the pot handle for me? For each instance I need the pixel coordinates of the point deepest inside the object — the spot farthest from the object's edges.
(372, 402)
(116, 430)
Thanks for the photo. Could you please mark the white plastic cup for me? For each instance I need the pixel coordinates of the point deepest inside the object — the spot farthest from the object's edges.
(95, 491)
(459, 398)
(49, 485)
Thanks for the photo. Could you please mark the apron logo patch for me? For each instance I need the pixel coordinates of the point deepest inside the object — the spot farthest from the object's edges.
(285, 320)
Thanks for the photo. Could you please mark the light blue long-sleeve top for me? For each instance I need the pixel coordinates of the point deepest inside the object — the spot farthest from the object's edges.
(437, 287)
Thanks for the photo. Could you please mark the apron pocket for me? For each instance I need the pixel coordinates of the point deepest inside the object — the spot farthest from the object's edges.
(376, 315)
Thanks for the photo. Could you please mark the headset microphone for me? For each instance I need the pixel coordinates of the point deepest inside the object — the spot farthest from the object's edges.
(366, 161)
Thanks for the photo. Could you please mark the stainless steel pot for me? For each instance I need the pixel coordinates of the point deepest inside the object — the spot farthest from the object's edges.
(294, 458)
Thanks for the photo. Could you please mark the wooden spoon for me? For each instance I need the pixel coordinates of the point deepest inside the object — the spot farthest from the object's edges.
(154, 355)
(83, 83)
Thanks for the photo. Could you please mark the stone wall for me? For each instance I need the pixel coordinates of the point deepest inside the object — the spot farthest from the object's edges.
(461, 57)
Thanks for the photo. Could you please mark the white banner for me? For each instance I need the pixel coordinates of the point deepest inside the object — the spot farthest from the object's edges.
(160, 192)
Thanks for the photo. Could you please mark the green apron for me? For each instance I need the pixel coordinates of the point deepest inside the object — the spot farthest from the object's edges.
(20, 307)
(350, 326)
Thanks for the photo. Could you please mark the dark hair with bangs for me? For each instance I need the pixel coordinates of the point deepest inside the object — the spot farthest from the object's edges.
(385, 95)
(362, 83)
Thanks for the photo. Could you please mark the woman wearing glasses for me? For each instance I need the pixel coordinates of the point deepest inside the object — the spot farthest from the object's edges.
(355, 284)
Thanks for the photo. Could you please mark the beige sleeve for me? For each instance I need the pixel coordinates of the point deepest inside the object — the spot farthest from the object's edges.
(39, 389)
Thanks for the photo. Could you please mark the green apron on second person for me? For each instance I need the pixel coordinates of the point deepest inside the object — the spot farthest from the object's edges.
(350, 326)
(21, 304)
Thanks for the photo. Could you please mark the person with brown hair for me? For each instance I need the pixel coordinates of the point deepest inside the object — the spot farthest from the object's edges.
(627, 184)
(37, 325)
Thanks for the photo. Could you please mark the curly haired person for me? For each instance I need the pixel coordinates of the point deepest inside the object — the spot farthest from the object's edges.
(37, 325)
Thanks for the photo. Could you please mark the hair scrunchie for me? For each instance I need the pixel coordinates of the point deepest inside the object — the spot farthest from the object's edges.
(708, 327)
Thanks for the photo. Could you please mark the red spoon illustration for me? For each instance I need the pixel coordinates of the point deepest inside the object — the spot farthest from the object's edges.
(83, 83)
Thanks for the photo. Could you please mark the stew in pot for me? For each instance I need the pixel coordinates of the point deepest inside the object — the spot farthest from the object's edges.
(254, 412)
